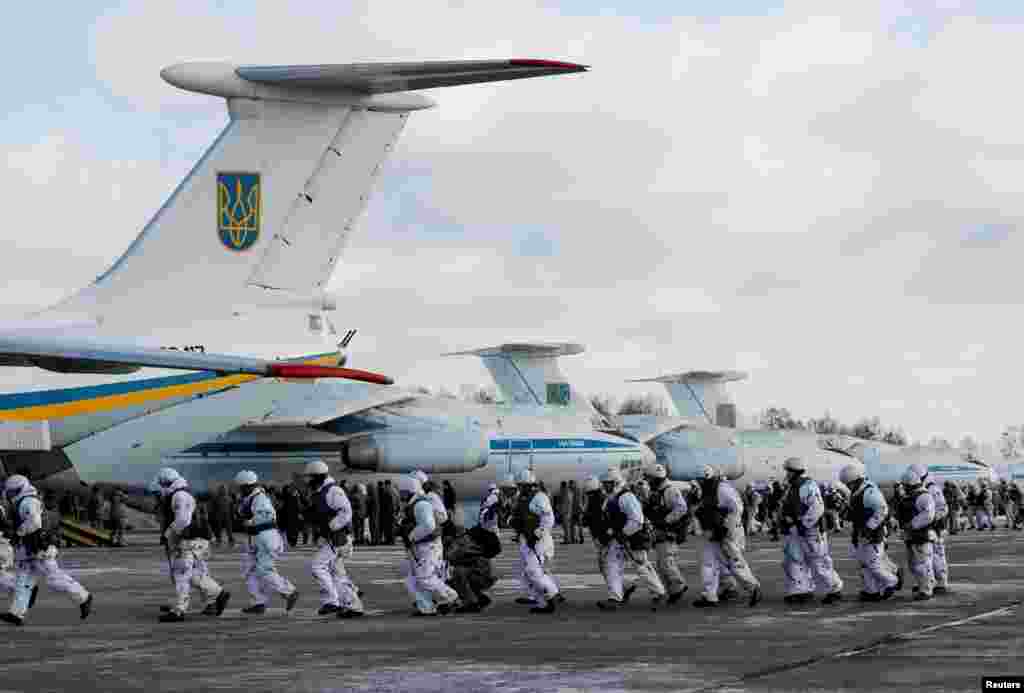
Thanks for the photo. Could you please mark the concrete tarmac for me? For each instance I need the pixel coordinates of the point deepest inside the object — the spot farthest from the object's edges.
(946, 644)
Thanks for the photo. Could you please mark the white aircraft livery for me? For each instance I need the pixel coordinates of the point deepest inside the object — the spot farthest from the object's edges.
(242, 249)
(543, 424)
(760, 453)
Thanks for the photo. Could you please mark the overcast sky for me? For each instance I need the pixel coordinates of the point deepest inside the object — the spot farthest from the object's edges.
(824, 194)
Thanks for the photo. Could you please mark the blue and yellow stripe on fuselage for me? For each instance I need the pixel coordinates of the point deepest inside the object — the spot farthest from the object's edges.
(75, 401)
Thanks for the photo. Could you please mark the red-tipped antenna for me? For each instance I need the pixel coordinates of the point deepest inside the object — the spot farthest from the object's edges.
(303, 371)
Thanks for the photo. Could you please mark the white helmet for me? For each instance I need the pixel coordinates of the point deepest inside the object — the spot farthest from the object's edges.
(492, 487)
(167, 476)
(525, 476)
(246, 478)
(794, 464)
(851, 473)
(921, 470)
(410, 485)
(15, 485)
(657, 471)
(613, 475)
(419, 475)
(911, 477)
(591, 484)
(508, 482)
(316, 467)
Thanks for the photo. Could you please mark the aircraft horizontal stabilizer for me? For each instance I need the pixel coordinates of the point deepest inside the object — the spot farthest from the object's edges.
(380, 78)
(527, 349)
(87, 354)
(306, 82)
(704, 377)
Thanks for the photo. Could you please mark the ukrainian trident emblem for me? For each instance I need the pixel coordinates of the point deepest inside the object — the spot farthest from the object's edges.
(238, 209)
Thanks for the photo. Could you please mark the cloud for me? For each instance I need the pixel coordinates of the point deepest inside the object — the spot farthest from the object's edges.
(808, 193)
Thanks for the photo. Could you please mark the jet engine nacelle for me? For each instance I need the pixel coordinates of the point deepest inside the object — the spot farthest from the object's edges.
(440, 452)
(685, 453)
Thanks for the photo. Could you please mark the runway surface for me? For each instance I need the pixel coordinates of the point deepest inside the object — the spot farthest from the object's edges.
(946, 644)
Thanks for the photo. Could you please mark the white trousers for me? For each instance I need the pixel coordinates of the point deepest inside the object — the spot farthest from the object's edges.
(877, 571)
(328, 569)
(536, 582)
(29, 569)
(616, 571)
(7, 578)
(920, 557)
(666, 562)
(940, 568)
(422, 580)
(806, 561)
(259, 569)
(726, 558)
(190, 570)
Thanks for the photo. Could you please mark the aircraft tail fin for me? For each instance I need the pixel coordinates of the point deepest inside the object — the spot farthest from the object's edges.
(701, 394)
(263, 217)
(528, 374)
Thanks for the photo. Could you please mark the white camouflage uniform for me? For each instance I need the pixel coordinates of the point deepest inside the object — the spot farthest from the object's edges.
(920, 555)
(258, 559)
(489, 511)
(30, 567)
(806, 558)
(537, 583)
(877, 570)
(666, 552)
(423, 581)
(940, 567)
(630, 506)
(328, 564)
(189, 567)
(725, 557)
(7, 578)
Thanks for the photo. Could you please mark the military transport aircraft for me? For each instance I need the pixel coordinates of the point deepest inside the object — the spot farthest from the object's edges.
(242, 249)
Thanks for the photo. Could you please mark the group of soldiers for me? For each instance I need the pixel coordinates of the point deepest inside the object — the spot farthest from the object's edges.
(448, 569)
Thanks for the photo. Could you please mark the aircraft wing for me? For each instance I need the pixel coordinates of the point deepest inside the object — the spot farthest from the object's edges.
(646, 428)
(381, 78)
(317, 411)
(76, 354)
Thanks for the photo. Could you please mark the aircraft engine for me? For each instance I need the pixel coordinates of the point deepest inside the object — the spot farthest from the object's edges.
(435, 452)
(684, 453)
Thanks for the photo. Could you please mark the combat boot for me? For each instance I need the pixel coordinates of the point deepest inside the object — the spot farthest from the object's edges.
(832, 598)
(172, 617)
(255, 609)
(703, 602)
(871, 597)
(12, 619)
(673, 598)
(609, 605)
(85, 608)
(327, 610)
(290, 600)
(32, 598)
(627, 593)
(548, 608)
